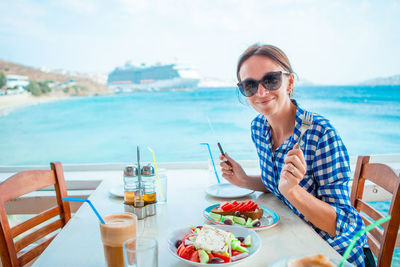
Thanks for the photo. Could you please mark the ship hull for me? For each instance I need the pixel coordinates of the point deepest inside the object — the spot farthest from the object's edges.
(177, 84)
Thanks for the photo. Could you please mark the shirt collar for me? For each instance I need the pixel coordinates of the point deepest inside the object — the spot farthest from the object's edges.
(296, 133)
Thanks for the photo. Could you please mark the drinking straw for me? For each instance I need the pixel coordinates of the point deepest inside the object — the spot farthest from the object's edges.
(158, 178)
(87, 201)
(359, 234)
(212, 160)
(212, 128)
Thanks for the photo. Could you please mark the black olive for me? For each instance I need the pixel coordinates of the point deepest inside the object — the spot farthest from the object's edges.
(216, 260)
(228, 221)
(241, 238)
(178, 243)
(237, 213)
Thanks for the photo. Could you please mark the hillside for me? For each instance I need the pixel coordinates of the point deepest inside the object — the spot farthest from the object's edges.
(391, 80)
(93, 87)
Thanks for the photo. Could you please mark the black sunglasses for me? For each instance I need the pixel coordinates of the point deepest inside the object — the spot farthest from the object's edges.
(271, 81)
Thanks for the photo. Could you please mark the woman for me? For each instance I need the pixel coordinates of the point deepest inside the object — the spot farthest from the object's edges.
(310, 176)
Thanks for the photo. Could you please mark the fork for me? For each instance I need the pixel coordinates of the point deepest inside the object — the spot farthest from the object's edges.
(305, 125)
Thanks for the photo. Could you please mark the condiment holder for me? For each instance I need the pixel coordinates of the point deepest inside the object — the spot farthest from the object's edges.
(139, 189)
(141, 212)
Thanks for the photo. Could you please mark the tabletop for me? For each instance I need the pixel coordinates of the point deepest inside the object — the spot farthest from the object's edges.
(79, 242)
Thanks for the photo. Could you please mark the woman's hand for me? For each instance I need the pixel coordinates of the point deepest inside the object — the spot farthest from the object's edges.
(232, 171)
(293, 171)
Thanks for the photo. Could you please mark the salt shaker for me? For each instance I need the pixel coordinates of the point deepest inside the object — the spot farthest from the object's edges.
(130, 184)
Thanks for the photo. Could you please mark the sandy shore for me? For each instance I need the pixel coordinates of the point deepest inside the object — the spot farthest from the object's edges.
(9, 102)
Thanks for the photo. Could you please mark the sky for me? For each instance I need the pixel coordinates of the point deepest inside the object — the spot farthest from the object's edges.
(327, 42)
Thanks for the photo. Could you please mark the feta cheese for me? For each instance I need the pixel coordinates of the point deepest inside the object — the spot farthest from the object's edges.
(212, 239)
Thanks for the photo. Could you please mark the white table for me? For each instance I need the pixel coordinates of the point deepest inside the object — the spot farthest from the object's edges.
(79, 242)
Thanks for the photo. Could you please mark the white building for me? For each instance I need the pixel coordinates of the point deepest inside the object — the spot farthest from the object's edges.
(18, 81)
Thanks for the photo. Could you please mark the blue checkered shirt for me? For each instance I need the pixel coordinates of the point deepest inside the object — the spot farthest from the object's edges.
(327, 176)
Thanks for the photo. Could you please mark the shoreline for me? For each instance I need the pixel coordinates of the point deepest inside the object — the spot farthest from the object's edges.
(10, 102)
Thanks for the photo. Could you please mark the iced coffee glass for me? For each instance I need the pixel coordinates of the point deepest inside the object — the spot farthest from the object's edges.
(117, 229)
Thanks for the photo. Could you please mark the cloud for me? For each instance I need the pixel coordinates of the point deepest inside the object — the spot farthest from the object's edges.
(327, 41)
(24, 22)
(77, 6)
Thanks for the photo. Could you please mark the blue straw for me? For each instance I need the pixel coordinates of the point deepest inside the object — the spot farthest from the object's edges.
(87, 201)
(212, 160)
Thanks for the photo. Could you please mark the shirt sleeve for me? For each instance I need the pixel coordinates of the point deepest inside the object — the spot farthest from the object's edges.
(331, 171)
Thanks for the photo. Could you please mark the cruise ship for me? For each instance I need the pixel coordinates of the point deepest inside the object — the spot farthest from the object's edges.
(152, 78)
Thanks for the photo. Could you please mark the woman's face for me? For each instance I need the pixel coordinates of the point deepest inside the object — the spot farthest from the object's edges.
(265, 101)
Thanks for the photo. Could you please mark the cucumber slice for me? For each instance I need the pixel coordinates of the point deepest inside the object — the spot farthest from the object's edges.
(215, 216)
(239, 220)
(248, 241)
(249, 222)
(235, 244)
(203, 256)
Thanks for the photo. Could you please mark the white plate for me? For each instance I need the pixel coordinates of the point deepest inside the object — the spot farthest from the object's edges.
(284, 261)
(227, 191)
(178, 234)
(117, 191)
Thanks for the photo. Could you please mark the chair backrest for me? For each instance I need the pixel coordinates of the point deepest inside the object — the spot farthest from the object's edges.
(382, 243)
(12, 252)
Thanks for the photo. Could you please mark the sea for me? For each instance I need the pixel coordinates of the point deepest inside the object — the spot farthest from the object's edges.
(108, 128)
(99, 129)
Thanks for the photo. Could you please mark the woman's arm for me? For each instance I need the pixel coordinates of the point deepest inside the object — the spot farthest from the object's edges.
(318, 212)
(236, 175)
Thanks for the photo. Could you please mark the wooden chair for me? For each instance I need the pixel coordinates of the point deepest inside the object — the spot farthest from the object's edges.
(382, 243)
(13, 253)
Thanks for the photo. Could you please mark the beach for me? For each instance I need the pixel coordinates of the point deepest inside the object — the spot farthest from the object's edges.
(9, 102)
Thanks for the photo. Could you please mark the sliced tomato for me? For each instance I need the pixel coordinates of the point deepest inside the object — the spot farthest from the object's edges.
(235, 252)
(233, 208)
(187, 237)
(252, 206)
(195, 256)
(246, 206)
(223, 257)
(223, 207)
(223, 204)
(180, 248)
(228, 207)
(239, 207)
(187, 252)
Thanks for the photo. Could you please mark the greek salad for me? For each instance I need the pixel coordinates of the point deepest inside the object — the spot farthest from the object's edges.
(208, 244)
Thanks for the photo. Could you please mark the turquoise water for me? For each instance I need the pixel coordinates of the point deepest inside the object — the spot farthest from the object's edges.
(108, 128)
